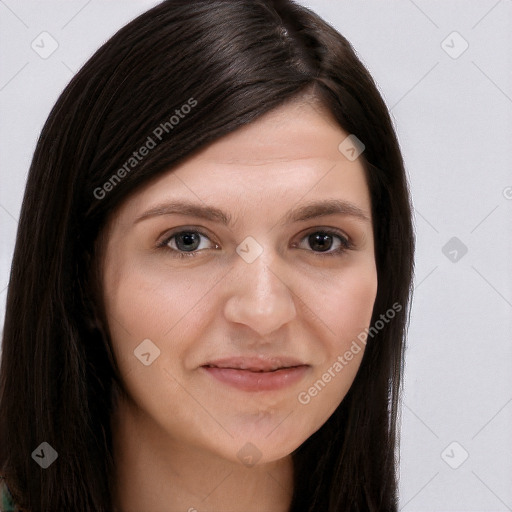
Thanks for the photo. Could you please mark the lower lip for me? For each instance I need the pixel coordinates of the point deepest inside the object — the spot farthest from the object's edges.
(258, 381)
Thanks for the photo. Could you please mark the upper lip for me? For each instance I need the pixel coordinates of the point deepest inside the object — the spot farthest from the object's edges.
(261, 364)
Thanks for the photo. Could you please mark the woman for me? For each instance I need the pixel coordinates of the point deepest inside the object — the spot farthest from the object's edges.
(210, 285)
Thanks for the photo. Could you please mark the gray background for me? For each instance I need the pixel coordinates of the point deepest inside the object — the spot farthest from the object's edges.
(452, 109)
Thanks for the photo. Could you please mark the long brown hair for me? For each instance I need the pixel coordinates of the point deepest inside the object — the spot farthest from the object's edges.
(237, 59)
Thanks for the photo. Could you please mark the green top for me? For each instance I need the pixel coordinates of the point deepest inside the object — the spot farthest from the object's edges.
(6, 503)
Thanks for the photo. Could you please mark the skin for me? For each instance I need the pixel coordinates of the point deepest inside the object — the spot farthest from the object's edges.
(178, 431)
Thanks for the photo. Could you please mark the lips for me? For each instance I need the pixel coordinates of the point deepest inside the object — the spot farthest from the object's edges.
(255, 364)
(257, 373)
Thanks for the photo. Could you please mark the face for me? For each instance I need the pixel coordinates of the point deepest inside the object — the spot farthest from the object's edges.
(236, 285)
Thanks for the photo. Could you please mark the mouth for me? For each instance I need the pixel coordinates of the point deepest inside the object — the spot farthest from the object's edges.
(251, 369)
(257, 374)
(255, 364)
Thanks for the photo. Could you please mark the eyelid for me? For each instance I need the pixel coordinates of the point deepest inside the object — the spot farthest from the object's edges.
(329, 230)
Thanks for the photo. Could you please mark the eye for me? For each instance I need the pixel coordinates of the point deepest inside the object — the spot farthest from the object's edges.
(321, 241)
(187, 243)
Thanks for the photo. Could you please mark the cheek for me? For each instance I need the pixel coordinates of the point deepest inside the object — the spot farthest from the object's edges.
(145, 301)
(354, 303)
(345, 313)
(345, 304)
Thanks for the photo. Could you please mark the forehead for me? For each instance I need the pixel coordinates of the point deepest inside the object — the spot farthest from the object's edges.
(287, 155)
(293, 131)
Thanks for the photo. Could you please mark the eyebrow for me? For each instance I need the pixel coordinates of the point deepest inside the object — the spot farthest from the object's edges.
(310, 210)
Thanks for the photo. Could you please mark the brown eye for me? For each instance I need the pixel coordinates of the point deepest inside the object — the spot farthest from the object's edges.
(321, 241)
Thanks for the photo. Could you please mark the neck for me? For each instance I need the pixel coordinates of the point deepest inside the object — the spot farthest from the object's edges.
(154, 471)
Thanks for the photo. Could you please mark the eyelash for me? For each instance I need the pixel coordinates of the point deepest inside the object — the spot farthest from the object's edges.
(345, 243)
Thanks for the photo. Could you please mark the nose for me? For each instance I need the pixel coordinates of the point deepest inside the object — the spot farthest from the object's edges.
(259, 296)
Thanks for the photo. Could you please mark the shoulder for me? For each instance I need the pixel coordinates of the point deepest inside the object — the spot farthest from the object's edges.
(6, 502)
